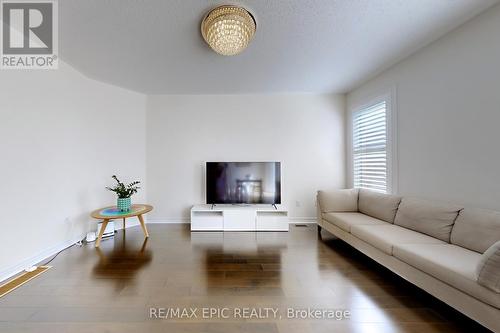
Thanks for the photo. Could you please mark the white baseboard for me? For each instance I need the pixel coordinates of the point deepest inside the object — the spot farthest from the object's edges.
(128, 224)
(17, 268)
(47, 253)
(304, 220)
(32, 261)
(187, 220)
(168, 220)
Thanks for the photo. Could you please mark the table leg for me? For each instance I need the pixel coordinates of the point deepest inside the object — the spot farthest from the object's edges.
(143, 225)
(123, 223)
(103, 227)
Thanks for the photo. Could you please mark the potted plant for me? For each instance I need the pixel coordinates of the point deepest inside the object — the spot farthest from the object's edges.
(124, 193)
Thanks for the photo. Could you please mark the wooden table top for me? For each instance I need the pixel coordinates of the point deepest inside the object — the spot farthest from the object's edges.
(112, 212)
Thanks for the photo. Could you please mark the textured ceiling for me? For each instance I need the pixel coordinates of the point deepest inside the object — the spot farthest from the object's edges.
(155, 46)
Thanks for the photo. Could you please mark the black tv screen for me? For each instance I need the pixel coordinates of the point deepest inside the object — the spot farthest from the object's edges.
(243, 182)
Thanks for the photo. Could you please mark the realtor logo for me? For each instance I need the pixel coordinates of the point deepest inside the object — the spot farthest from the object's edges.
(29, 34)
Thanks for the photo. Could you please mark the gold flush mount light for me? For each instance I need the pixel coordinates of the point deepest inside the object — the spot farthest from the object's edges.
(228, 29)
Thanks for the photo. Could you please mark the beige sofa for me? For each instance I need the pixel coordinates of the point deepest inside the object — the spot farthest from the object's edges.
(451, 252)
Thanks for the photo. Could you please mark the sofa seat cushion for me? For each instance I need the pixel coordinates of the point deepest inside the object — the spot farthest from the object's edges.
(345, 220)
(476, 229)
(449, 263)
(429, 217)
(378, 205)
(384, 237)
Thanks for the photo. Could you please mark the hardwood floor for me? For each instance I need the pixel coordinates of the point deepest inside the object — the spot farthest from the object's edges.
(112, 289)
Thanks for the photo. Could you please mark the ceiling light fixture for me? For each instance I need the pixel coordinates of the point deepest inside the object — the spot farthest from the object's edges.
(228, 29)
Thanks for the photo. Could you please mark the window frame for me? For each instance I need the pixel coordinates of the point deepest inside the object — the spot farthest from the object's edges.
(391, 124)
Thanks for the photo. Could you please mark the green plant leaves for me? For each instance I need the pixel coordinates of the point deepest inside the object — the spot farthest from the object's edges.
(124, 191)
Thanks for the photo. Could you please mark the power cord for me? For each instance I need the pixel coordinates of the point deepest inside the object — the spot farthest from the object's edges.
(79, 243)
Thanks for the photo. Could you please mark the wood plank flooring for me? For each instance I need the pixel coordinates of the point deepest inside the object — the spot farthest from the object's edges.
(112, 289)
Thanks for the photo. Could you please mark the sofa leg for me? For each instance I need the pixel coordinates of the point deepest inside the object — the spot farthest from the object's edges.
(319, 231)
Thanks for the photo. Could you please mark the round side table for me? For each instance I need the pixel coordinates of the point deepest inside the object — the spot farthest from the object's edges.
(107, 214)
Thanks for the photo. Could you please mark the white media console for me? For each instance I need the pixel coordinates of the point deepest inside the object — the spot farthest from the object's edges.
(239, 218)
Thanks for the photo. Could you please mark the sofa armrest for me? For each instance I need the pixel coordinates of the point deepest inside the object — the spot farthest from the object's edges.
(338, 201)
(488, 269)
(319, 218)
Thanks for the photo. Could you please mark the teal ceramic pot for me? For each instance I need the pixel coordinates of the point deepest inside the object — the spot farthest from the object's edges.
(124, 204)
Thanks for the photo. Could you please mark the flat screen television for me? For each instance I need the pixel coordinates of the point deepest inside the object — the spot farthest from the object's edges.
(243, 183)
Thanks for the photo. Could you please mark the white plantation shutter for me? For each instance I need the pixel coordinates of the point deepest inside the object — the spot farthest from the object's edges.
(370, 147)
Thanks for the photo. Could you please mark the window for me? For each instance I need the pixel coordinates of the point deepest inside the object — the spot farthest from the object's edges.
(370, 147)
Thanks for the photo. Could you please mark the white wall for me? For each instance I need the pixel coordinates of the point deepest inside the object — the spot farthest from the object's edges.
(62, 136)
(448, 109)
(304, 132)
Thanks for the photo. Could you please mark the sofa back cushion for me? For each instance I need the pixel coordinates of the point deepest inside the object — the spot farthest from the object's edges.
(476, 229)
(431, 218)
(338, 200)
(378, 205)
